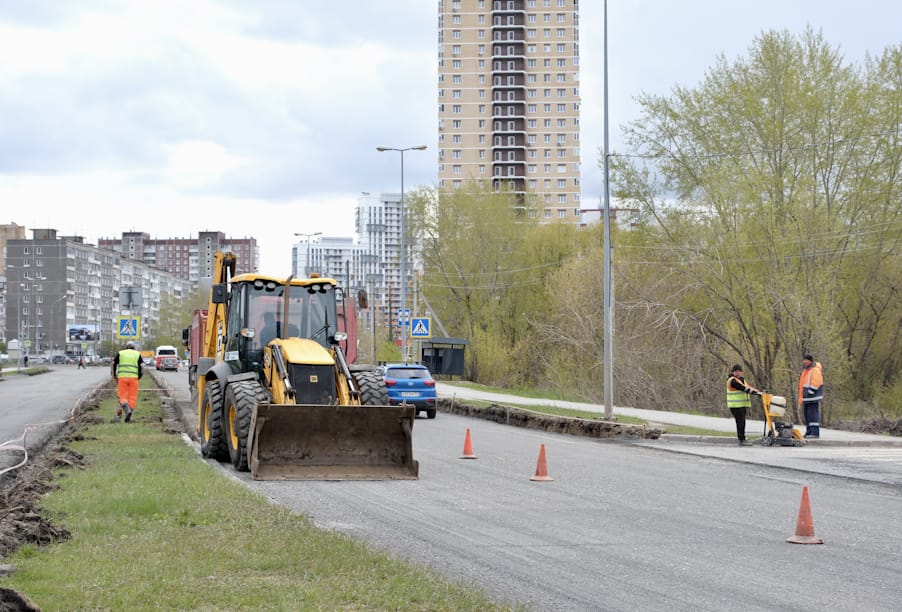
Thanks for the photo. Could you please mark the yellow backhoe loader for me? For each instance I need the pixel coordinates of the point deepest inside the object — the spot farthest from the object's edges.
(275, 394)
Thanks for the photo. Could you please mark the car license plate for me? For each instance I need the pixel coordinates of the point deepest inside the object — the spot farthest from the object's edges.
(410, 394)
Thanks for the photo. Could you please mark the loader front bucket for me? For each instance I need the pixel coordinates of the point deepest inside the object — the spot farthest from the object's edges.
(309, 442)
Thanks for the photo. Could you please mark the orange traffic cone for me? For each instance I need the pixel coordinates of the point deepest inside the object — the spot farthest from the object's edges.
(804, 525)
(468, 448)
(541, 468)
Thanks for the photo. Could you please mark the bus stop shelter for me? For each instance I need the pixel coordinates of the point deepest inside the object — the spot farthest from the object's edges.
(444, 356)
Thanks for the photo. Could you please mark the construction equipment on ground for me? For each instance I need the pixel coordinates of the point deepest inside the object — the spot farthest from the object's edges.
(274, 391)
(776, 430)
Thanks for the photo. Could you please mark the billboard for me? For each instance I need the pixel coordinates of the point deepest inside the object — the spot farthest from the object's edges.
(83, 333)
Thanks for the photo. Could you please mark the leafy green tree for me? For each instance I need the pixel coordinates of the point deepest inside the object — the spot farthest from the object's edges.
(773, 192)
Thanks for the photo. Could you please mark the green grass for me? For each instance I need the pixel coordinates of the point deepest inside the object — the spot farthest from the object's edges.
(153, 526)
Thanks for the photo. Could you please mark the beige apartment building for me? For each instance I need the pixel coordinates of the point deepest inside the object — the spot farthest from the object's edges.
(508, 97)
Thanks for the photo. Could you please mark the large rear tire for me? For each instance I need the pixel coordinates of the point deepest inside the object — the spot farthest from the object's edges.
(212, 443)
(373, 391)
(240, 400)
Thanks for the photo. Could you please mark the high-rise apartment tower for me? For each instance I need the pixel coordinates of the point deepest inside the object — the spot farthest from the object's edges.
(508, 98)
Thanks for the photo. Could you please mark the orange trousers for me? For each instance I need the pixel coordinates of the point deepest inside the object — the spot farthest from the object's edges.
(128, 391)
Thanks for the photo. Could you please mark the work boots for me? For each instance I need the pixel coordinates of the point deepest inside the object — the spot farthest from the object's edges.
(123, 407)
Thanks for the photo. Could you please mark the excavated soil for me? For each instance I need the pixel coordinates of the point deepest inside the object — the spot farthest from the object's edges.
(22, 521)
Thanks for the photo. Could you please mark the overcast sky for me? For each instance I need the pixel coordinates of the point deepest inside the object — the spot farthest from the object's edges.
(261, 118)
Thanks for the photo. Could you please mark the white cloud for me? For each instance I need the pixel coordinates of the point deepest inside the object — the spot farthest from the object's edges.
(261, 118)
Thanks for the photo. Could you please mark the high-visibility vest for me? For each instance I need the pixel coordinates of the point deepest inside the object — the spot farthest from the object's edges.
(811, 383)
(128, 364)
(737, 399)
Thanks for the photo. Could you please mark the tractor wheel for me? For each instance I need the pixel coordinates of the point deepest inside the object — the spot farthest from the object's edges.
(212, 443)
(240, 400)
(373, 391)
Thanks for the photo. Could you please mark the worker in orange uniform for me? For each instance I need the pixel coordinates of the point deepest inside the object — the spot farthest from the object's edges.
(127, 372)
(811, 392)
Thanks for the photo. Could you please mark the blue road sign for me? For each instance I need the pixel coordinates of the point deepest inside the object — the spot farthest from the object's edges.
(421, 327)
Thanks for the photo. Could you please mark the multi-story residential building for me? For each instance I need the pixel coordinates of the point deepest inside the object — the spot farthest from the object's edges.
(188, 258)
(508, 101)
(63, 296)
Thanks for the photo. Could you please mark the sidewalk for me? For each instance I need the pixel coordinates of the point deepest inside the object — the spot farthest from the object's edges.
(754, 428)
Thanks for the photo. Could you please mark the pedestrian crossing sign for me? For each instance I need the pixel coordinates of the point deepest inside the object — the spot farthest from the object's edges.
(420, 327)
(128, 328)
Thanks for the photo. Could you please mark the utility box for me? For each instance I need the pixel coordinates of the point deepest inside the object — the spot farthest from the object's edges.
(444, 356)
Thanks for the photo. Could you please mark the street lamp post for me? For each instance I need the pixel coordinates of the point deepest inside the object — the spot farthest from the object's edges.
(307, 260)
(404, 319)
(19, 325)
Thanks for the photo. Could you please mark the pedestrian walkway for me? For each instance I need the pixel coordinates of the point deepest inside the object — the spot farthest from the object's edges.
(754, 428)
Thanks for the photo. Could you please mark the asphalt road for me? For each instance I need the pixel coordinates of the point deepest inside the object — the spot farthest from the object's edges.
(622, 526)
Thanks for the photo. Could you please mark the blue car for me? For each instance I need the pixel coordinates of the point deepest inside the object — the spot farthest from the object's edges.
(411, 384)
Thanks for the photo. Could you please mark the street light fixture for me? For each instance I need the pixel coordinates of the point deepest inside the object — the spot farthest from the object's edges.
(307, 261)
(405, 320)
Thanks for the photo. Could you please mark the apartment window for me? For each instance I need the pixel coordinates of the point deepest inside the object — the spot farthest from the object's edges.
(531, 123)
(455, 109)
(546, 17)
(562, 168)
(561, 77)
(561, 18)
(455, 154)
(546, 122)
(481, 124)
(561, 47)
(562, 152)
(546, 78)
(531, 154)
(562, 212)
(482, 79)
(481, 17)
(455, 19)
(456, 124)
(531, 63)
(482, 94)
(561, 123)
(531, 18)
(546, 32)
(481, 168)
(455, 93)
(456, 79)
(455, 139)
(456, 184)
(455, 50)
(547, 213)
(562, 108)
(546, 168)
(530, 33)
(455, 64)
(530, 48)
(547, 108)
(482, 139)
(561, 32)
(561, 62)
(530, 78)
(480, 34)
(531, 108)
(562, 183)
(531, 139)
(455, 169)
(561, 93)
(531, 168)
(455, 34)
(482, 108)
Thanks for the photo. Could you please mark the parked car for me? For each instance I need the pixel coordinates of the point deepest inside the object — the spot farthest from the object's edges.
(168, 363)
(410, 384)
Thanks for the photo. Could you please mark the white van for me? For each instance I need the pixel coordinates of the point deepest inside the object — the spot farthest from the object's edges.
(163, 351)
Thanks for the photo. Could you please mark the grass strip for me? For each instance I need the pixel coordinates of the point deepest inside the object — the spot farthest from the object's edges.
(153, 526)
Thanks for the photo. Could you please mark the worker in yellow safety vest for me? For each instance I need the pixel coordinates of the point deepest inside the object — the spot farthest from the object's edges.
(739, 401)
(127, 372)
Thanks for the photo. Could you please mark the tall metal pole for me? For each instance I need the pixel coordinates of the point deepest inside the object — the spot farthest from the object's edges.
(608, 288)
(404, 318)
